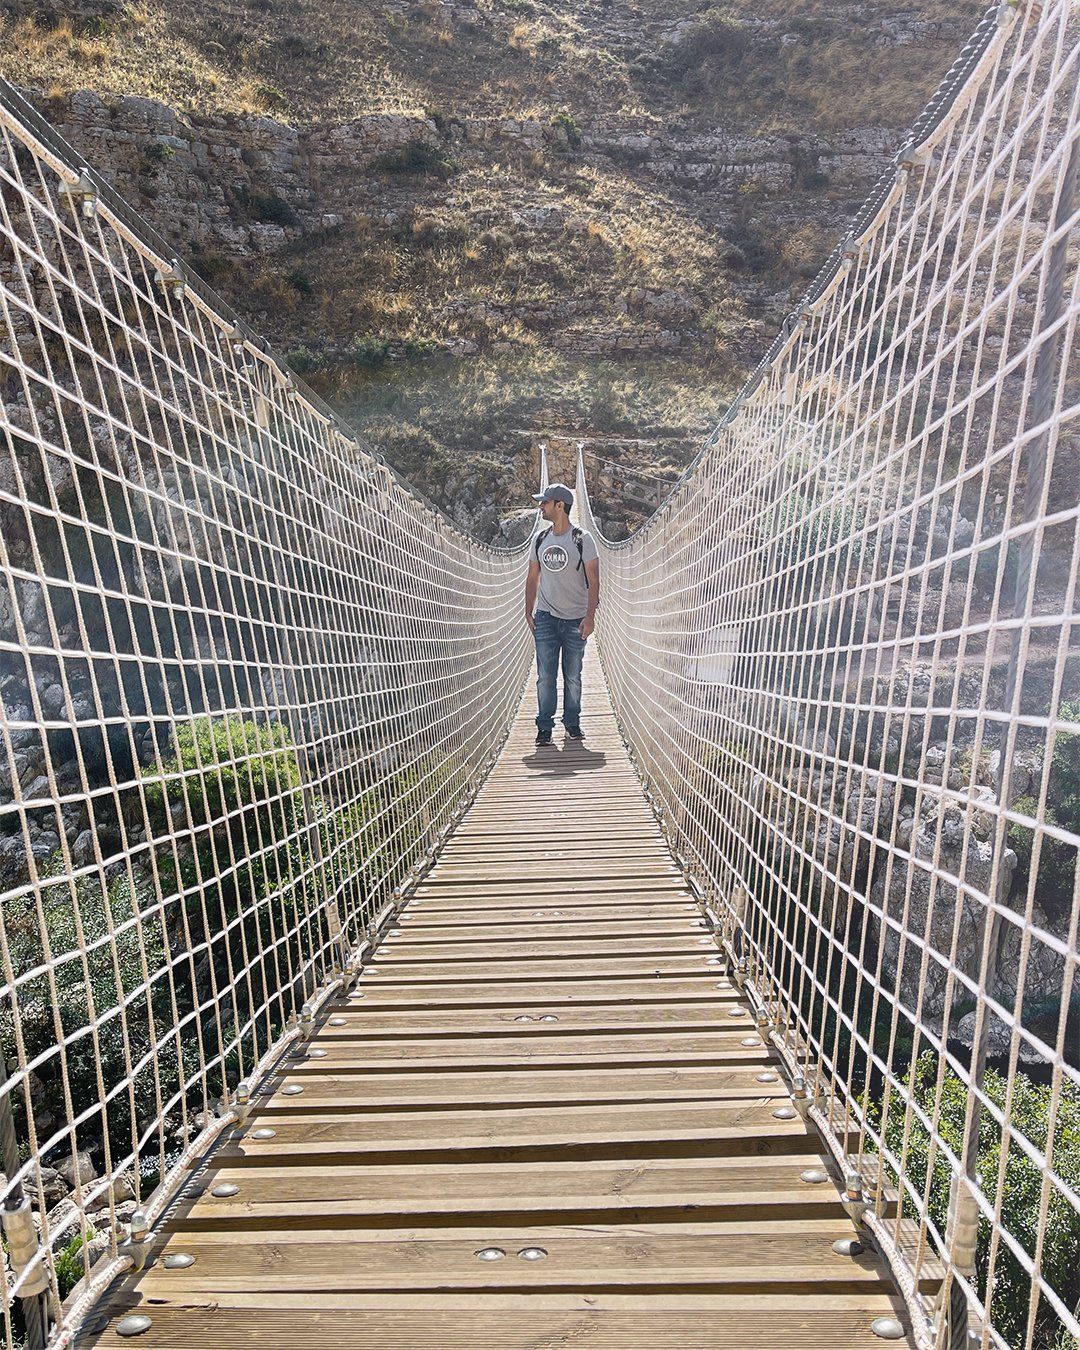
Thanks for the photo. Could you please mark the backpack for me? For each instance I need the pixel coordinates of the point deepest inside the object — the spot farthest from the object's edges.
(575, 534)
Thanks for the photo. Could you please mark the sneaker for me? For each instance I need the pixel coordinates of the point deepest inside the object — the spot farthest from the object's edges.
(543, 738)
(575, 734)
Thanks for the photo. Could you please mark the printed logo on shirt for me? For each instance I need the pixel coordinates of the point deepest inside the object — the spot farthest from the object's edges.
(555, 558)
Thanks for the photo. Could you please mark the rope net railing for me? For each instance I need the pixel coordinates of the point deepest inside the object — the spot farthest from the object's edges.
(844, 655)
(250, 679)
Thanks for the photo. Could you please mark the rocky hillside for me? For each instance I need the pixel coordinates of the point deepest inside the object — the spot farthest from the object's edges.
(476, 225)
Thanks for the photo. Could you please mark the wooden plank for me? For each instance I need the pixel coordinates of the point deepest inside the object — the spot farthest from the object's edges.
(729, 1189)
(702, 964)
(338, 1045)
(418, 915)
(667, 1129)
(363, 1017)
(521, 995)
(396, 951)
(522, 935)
(355, 1090)
(478, 1321)
(730, 1257)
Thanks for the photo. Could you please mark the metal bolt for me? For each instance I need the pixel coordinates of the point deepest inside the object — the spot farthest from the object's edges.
(490, 1254)
(532, 1253)
(733, 1012)
(178, 1261)
(888, 1328)
(340, 1021)
(549, 1017)
(848, 1247)
(317, 1053)
(750, 1040)
(768, 1077)
(263, 1132)
(785, 1113)
(134, 1325)
(226, 1189)
(293, 1090)
(814, 1176)
(523, 1017)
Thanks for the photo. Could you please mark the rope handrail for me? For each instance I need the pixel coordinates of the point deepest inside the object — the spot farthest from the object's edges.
(843, 653)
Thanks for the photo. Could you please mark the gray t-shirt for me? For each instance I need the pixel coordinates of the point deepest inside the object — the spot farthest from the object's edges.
(564, 590)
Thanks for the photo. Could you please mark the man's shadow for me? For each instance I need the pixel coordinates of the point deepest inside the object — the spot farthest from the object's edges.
(564, 761)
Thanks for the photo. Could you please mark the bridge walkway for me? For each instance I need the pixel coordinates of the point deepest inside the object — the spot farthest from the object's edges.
(543, 1118)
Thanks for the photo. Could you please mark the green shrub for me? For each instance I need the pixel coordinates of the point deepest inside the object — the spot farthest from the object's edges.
(267, 207)
(419, 157)
(299, 280)
(68, 1265)
(304, 361)
(368, 351)
(78, 917)
(715, 42)
(1021, 1192)
(565, 122)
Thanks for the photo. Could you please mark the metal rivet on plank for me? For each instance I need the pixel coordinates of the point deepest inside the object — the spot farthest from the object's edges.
(814, 1176)
(263, 1132)
(358, 994)
(134, 1325)
(178, 1261)
(848, 1247)
(317, 1053)
(704, 942)
(395, 932)
(532, 1253)
(750, 1040)
(293, 1090)
(524, 1017)
(226, 1189)
(733, 1012)
(888, 1328)
(339, 1021)
(785, 1113)
(549, 1017)
(490, 1254)
(768, 1078)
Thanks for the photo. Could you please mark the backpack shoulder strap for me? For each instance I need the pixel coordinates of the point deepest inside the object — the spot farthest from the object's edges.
(577, 535)
(540, 539)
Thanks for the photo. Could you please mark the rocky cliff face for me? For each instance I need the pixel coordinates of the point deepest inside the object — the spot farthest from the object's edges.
(378, 191)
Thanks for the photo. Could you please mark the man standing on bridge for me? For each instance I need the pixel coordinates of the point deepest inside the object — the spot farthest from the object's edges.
(561, 595)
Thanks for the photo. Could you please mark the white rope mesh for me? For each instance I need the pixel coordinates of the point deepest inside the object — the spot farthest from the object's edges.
(250, 679)
(844, 653)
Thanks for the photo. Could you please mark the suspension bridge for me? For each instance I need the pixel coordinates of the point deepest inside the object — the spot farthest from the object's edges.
(334, 1011)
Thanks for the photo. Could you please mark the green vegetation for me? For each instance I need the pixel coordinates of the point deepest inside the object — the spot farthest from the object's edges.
(1020, 1187)
(419, 157)
(97, 934)
(566, 123)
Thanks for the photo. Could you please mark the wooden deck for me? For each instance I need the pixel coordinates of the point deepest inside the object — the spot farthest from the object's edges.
(543, 1119)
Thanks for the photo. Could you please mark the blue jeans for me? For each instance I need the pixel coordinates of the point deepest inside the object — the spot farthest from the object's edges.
(555, 637)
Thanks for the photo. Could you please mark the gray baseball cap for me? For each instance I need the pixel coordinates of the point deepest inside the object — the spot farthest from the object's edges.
(555, 492)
